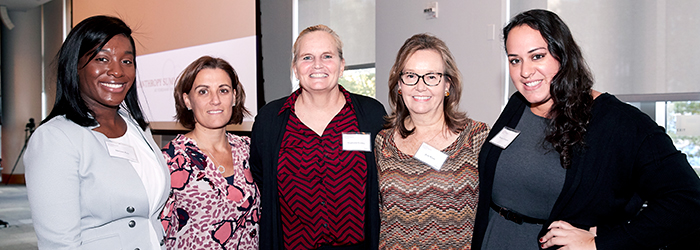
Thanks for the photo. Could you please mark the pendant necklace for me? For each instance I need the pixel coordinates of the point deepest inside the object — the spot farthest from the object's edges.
(220, 168)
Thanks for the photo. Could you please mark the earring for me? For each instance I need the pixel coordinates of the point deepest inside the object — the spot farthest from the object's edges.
(399, 91)
(447, 93)
(188, 108)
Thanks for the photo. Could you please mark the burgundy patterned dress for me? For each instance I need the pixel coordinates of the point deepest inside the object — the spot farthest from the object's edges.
(204, 211)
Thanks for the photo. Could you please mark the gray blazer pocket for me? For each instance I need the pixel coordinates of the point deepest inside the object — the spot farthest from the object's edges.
(110, 241)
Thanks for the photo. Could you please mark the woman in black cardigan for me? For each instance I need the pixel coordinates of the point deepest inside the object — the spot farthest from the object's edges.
(570, 167)
(317, 191)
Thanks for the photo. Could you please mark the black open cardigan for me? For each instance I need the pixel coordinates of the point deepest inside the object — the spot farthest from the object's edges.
(627, 159)
(266, 140)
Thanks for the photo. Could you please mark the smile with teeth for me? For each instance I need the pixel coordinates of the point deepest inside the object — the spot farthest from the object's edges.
(533, 83)
(421, 98)
(112, 85)
(215, 111)
(318, 75)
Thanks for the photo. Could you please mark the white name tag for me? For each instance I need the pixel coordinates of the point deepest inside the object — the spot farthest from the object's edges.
(121, 151)
(430, 156)
(357, 142)
(505, 137)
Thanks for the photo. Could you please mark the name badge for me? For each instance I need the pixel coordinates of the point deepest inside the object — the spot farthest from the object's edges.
(430, 156)
(505, 137)
(357, 142)
(121, 151)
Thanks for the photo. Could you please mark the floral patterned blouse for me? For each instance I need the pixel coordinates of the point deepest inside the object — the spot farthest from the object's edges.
(204, 211)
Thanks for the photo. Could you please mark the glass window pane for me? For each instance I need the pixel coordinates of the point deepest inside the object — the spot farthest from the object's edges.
(683, 128)
(359, 81)
(680, 118)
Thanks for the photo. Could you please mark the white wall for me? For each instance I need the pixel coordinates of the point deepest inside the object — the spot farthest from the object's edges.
(471, 30)
(21, 84)
(637, 47)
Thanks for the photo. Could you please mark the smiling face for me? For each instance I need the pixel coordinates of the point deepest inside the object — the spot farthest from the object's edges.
(105, 80)
(211, 98)
(532, 67)
(421, 98)
(318, 64)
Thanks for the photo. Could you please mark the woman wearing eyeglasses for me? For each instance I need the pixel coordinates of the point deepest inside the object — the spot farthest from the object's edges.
(427, 153)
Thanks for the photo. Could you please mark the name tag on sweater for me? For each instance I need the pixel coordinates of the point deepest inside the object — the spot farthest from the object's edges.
(431, 156)
(357, 142)
(505, 137)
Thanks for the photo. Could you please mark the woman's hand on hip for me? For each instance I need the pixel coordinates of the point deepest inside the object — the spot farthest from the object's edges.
(563, 234)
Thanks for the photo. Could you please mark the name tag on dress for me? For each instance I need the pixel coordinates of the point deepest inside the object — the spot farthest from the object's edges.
(430, 156)
(505, 137)
(121, 151)
(356, 142)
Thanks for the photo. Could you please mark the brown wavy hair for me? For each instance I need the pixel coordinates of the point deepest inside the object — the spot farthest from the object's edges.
(186, 80)
(454, 119)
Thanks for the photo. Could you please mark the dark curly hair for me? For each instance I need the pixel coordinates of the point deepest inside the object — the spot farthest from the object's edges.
(87, 39)
(571, 86)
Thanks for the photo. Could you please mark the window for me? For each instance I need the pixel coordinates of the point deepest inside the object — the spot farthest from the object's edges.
(360, 81)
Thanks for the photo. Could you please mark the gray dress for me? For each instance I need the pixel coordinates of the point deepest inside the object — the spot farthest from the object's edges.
(528, 180)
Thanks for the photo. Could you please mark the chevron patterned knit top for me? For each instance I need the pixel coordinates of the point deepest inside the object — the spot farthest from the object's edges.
(321, 186)
(423, 208)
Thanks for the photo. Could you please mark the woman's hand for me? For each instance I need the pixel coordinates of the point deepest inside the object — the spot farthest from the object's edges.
(561, 233)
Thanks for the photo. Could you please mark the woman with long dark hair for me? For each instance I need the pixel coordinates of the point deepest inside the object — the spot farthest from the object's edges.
(95, 177)
(567, 166)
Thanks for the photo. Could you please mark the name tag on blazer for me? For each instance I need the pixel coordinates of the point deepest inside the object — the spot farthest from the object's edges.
(123, 151)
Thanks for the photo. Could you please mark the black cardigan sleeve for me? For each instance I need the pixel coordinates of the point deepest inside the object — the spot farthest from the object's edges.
(488, 157)
(645, 163)
(265, 141)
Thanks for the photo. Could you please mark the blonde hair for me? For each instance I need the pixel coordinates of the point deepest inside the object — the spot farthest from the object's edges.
(319, 27)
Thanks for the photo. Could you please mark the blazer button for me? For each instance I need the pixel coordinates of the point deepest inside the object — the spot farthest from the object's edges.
(132, 223)
(253, 233)
(129, 209)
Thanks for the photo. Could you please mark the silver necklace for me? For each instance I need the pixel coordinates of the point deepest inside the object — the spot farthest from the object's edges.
(220, 168)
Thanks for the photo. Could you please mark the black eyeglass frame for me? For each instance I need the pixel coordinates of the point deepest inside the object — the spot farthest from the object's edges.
(421, 76)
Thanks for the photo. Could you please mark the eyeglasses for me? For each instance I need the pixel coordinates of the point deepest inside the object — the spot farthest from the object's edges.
(430, 79)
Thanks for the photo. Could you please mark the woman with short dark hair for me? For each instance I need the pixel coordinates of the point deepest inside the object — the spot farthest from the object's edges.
(214, 201)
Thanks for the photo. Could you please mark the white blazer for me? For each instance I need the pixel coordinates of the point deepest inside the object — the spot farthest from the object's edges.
(81, 197)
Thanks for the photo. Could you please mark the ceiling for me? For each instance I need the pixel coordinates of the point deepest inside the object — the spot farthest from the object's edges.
(22, 4)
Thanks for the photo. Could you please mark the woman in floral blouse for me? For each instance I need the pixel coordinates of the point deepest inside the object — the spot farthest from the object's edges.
(214, 202)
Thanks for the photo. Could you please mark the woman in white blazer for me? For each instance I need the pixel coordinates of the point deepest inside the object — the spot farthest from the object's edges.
(95, 177)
